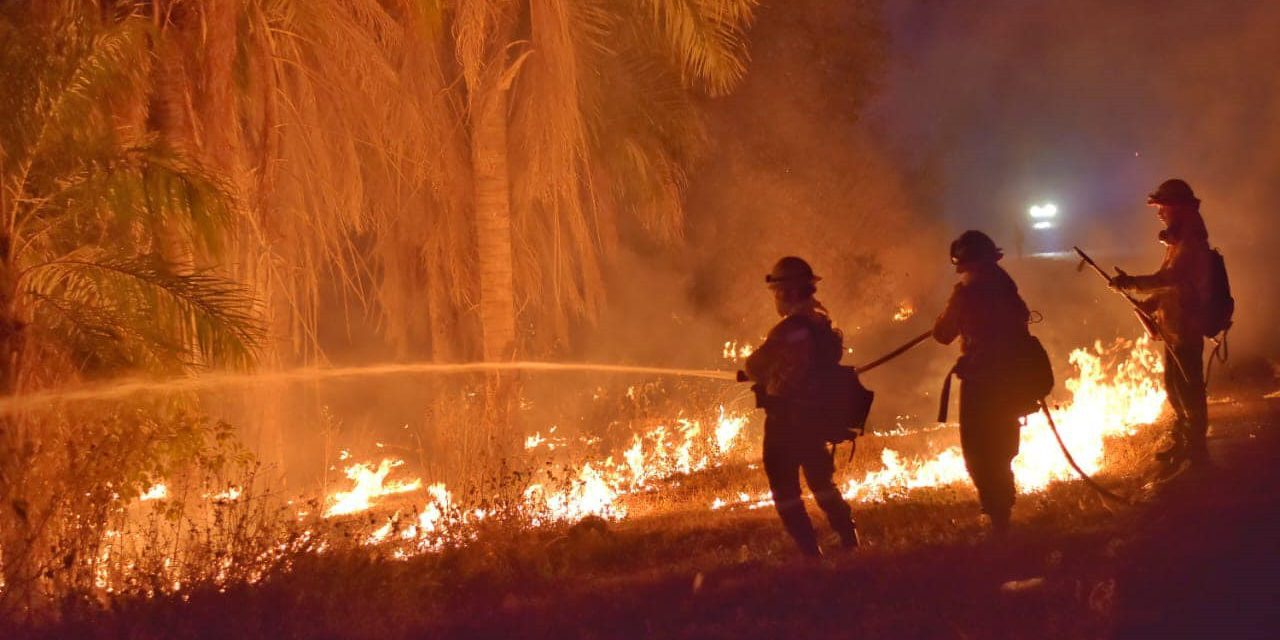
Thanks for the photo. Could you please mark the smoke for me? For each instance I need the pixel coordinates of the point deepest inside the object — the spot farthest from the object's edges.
(867, 135)
(793, 170)
(1092, 104)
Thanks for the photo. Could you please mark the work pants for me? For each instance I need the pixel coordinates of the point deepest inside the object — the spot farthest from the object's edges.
(989, 439)
(1185, 387)
(787, 453)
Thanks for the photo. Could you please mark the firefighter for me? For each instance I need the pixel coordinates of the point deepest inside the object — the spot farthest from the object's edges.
(1175, 303)
(990, 318)
(783, 370)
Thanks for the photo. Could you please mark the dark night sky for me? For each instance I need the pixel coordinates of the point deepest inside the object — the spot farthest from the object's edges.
(1088, 103)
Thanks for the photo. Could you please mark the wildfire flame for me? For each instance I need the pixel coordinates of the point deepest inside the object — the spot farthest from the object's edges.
(1115, 388)
(597, 488)
(904, 312)
(370, 485)
(734, 351)
(1106, 400)
(156, 492)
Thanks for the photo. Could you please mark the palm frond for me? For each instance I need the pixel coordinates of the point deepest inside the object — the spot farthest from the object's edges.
(706, 38)
(211, 320)
(96, 64)
(143, 183)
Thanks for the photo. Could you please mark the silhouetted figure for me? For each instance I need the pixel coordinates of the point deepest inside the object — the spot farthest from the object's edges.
(1176, 302)
(990, 318)
(784, 370)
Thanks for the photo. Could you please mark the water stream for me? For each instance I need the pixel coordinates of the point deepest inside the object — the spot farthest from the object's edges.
(120, 389)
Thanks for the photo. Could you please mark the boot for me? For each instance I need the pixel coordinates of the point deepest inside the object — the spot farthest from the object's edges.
(1176, 451)
(849, 538)
(809, 549)
(999, 523)
(1197, 454)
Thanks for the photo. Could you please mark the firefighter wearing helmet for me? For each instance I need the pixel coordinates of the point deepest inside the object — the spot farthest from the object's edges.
(1176, 300)
(782, 370)
(990, 318)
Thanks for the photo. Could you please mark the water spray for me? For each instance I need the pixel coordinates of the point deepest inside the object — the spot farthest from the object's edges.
(131, 387)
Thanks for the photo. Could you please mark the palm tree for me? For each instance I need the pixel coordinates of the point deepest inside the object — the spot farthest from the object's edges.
(580, 115)
(485, 150)
(89, 199)
(450, 163)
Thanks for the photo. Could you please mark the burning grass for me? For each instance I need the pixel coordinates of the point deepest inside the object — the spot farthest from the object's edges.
(573, 488)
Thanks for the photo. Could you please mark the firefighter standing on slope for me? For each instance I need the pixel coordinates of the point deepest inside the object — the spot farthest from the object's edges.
(990, 318)
(783, 370)
(1175, 302)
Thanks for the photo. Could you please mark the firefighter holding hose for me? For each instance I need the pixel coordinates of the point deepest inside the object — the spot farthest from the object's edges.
(989, 316)
(1178, 294)
(784, 370)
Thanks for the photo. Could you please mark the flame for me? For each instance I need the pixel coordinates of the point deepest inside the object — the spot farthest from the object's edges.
(232, 494)
(156, 492)
(727, 430)
(1114, 390)
(1103, 404)
(370, 485)
(434, 512)
(734, 351)
(595, 489)
(904, 312)
(591, 494)
(534, 440)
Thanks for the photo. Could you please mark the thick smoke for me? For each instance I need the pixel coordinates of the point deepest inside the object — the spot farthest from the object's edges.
(866, 136)
(793, 170)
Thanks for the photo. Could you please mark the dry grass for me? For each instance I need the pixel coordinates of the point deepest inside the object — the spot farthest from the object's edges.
(677, 569)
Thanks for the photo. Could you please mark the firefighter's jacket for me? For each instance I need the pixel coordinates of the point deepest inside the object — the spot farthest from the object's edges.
(797, 346)
(1177, 288)
(987, 314)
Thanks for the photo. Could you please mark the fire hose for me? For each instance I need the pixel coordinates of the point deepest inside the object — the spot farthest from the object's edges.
(742, 375)
(1090, 482)
(1044, 406)
(895, 353)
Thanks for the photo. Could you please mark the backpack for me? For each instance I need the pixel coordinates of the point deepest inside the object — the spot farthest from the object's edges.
(1023, 371)
(1218, 305)
(837, 406)
(1030, 376)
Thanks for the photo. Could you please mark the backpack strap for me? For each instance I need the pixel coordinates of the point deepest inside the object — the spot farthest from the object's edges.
(944, 398)
(1220, 353)
(853, 448)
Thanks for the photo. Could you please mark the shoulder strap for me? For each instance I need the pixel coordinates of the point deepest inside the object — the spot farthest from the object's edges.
(944, 398)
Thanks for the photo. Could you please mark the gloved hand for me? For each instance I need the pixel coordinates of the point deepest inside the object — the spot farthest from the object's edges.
(1122, 281)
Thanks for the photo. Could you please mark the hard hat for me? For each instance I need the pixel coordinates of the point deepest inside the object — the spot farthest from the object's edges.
(974, 246)
(1173, 192)
(790, 271)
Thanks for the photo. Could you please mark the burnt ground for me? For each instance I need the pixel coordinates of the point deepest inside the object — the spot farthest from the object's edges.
(1198, 556)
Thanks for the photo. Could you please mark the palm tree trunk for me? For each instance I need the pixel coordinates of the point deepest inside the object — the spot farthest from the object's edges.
(493, 223)
(492, 197)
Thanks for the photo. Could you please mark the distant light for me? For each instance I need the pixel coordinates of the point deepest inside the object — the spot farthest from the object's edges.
(1043, 211)
(1042, 225)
